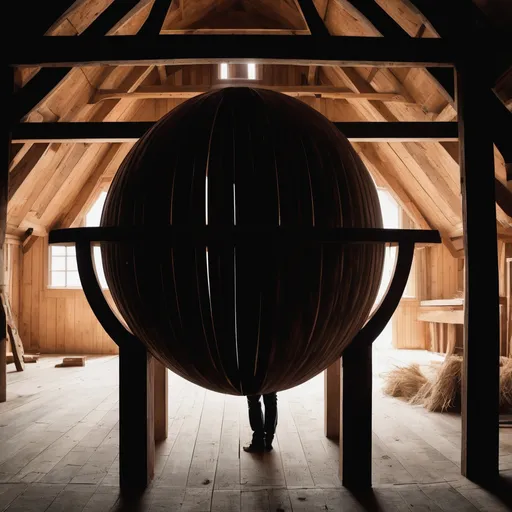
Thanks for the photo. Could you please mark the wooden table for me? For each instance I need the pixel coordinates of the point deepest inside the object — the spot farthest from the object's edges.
(444, 315)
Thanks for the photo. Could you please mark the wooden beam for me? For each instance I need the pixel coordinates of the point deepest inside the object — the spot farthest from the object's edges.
(332, 400)
(162, 74)
(41, 86)
(23, 169)
(4, 199)
(68, 51)
(136, 418)
(388, 27)
(81, 200)
(376, 166)
(155, 20)
(131, 131)
(480, 380)
(503, 197)
(313, 19)
(43, 15)
(161, 401)
(169, 92)
(356, 417)
(18, 152)
(447, 20)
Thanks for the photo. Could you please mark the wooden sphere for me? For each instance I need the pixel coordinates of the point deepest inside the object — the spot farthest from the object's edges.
(263, 317)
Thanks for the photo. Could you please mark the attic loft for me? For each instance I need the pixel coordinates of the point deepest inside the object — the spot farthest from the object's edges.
(421, 89)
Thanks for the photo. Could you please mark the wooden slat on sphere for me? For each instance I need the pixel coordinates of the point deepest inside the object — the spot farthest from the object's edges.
(257, 317)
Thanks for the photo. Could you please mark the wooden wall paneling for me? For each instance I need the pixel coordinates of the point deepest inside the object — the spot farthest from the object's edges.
(62, 321)
(60, 332)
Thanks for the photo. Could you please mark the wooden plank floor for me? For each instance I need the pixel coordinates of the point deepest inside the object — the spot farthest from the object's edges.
(59, 450)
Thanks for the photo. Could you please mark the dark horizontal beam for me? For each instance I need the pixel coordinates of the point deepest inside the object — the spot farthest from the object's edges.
(204, 235)
(203, 49)
(130, 131)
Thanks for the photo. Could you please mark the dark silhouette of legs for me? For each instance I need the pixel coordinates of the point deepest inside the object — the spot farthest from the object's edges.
(263, 430)
(257, 424)
(270, 401)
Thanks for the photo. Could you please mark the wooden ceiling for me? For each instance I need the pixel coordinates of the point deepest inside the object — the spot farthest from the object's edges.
(52, 185)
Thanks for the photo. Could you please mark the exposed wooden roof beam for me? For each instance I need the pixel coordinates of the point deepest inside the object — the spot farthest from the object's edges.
(129, 131)
(155, 20)
(313, 19)
(196, 49)
(32, 210)
(166, 92)
(376, 166)
(81, 196)
(18, 152)
(388, 27)
(25, 166)
(43, 15)
(41, 86)
(450, 21)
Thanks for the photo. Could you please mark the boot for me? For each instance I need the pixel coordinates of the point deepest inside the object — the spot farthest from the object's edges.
(257, 445)
(268, 442)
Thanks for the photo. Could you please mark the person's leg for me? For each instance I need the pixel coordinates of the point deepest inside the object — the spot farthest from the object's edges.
(270, 401)
(256, 422)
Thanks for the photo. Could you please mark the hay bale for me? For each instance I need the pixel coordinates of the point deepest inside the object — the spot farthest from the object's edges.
(404, 382)
(446, 391)
(506, 383)
(423, 394)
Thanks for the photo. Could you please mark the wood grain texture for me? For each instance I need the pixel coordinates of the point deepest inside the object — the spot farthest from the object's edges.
(269, 161)
(79, 333)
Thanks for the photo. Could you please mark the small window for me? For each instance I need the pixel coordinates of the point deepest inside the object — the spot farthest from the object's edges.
(251, 71)
(237, 71)
(63, 269)
(224, 75)
(63, 266)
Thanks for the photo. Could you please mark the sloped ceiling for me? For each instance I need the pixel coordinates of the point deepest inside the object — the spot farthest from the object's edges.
(52, 184)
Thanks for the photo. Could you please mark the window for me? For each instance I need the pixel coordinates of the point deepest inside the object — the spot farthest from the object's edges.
(63, 266)
(224, 71)
(63, 269)
(237, 71)
(251, 71)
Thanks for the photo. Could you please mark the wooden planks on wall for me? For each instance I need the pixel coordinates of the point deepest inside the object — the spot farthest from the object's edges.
(408, 333)
(56, 320)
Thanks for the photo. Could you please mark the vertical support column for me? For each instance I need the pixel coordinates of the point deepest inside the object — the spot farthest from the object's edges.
(332, 400)
(356, 417)
(480, 379)
(136, 417)
(4, 197)
(160, 393)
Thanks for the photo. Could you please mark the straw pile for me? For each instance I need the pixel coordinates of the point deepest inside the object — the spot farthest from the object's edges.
(446, 390)
(405, 382)
(441, 390)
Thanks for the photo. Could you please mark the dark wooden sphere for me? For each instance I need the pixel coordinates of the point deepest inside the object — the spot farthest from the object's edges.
(263, 317)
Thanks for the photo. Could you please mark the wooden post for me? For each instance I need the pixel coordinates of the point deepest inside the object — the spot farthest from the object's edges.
(332, 400)
(136, 420)
(480, 379)
(356, 417)
(160, 391)
(4, 197)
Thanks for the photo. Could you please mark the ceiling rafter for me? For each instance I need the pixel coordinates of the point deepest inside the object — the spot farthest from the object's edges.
(47, 81)
(71, 162)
